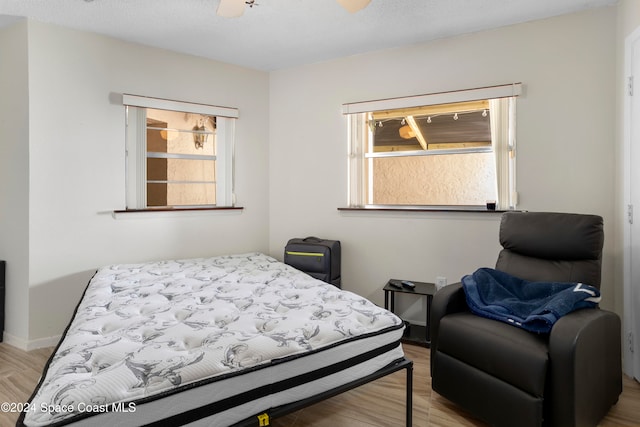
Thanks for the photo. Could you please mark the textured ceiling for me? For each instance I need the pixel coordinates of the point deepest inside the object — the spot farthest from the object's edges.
(284, 33)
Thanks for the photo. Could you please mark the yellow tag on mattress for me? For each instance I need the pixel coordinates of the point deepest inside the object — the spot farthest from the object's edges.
(263, 419)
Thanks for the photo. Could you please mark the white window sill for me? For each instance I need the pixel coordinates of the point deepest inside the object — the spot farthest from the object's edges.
(381, 208)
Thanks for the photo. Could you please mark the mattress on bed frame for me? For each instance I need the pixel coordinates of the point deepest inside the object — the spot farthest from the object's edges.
(210, 341)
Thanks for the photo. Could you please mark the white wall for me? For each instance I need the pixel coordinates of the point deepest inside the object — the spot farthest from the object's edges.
(628, 22)
(14, 175)
(565, 130)
(77, 166)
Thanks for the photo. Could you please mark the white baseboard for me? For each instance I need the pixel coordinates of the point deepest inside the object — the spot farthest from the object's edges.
(28, 345)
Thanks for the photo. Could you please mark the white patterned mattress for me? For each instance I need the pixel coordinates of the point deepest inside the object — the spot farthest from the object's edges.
(207, 342)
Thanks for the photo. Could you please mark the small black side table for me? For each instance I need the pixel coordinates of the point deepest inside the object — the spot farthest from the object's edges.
(417, 334)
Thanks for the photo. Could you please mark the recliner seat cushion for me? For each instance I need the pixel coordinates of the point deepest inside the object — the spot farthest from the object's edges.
(513, 355)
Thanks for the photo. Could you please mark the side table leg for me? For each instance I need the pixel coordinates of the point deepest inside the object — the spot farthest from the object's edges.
(393, 302)
(429, 300)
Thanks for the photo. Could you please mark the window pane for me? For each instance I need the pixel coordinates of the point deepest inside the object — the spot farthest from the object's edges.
(180, 133)
(180, 170)
(157, 195)
(190, 170)
(156, 169)
(181, 194)
(182, 182)
(448, 126)
(449, 179)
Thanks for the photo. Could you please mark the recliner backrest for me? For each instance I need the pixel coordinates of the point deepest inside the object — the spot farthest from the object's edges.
(550, 246)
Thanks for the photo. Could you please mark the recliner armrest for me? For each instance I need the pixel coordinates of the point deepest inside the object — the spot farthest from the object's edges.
(450, 299)
(586, 366)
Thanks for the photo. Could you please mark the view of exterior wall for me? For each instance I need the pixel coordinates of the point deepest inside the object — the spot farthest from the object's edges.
(188, 181)
(448, 179)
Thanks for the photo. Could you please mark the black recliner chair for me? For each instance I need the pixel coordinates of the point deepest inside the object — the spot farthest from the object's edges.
(507, 376)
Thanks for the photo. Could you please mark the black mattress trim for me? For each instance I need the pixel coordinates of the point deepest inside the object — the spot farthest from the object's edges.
(268, 389)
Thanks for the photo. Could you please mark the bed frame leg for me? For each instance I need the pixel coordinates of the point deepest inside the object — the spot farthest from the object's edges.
(409, 416)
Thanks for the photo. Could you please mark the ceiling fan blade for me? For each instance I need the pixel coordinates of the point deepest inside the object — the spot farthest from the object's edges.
(231, 8)
(354, 5)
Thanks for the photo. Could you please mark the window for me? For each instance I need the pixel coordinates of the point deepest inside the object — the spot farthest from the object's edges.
(179, 155)
(453, 149)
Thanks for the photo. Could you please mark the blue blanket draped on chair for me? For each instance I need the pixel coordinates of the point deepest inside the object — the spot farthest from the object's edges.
(534, 306)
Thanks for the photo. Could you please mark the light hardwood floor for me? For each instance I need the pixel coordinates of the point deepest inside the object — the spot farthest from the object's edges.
(380, 403)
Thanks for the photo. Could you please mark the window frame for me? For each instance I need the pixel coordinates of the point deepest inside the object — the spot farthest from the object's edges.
(136, 151)
(359, 113)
